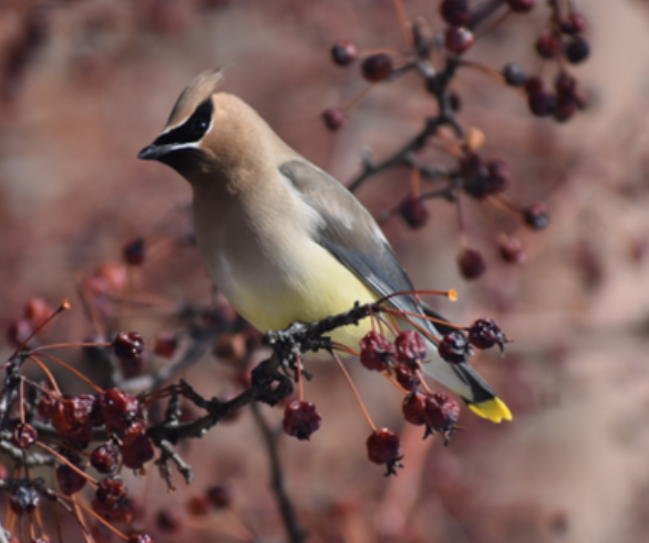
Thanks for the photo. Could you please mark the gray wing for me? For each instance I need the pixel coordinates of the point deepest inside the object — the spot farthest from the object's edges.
(350, 233)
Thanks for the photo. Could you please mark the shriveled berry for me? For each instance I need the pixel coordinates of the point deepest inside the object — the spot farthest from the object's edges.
(511, 250)
(573, 24)
(129, 345)
(118, 513)
(71, 414)
(140, 538)
(334, 118)
(169, 521)
(485, 333)
(301, 419)
(45, 407)
(219, 496)
(406, 376)
(521, 5)
(377, 67)
(24, 500)
(471, 264)
(24, 435)
(536, 215)
(410, 346)
(138, 452)
(134, 252)
(453, 348)
(456, 12)
(343, 53)
(514, 75)
(166, 344)
(414, 407)
(105, 458)
(118, 408)
(549, 45)
(376, 350)
(111, 491)
(414, 212)
(383, 446)
(458, 39)
(442, 412)
(133, 430)
(577, 50)
(70, 481)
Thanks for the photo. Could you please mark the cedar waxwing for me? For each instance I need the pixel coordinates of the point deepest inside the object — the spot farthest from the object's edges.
(283, 240)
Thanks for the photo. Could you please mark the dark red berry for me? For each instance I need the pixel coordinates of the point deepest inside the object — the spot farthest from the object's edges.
(45, 407)
(334, 118)
(514, 75)
(471, 165)
(128, 345)
(119, 513)
(534, 84)
(493, 178)
(577, 50)
(138, 452)
(383, 446)
(71, 415)
(301, 419)
(24, 435)
(485, 333)
(166, 344)
(521, 5)
(549, 45)
(406, 376)
(343, 53)
(118, 408)
(410, 346)
(134, 252)
(456, 12)
(511, 250)
(377, 67)
(565, 85)
(105, 458)
(111, 491)
(219, 497)
(453, 348)
(24, 500)
(376, 350)
(133, 431)
(499, 174)
(458, 39)
(169, 521)
(536, 215)
(542, 103)
(197, 506)
(471, 264)
(442, 412)
(574, 24)
(38, 311)
(414, 407)
(140, 538)
(414, 212)
(70, 480)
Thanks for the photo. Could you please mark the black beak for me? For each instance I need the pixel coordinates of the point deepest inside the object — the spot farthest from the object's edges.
(153, 152)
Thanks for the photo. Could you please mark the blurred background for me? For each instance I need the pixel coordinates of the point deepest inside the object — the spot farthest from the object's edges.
(85, 84)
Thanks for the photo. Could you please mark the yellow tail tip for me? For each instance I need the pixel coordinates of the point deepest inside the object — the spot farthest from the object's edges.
(495, 410)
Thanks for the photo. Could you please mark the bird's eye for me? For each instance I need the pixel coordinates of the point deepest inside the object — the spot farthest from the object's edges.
(199, 125)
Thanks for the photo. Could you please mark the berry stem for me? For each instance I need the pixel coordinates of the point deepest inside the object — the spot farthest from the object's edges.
(63, 307)
(451, 294)
(403, 21)
(75, 372)
(67, 345)
(88, 510)
(64, 460)
(354, 390)
(357, 98)
(300, 380)
(47, 372)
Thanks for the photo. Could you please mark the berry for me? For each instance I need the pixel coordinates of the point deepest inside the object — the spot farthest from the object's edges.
(197, 506)
(24, 500)
(534, 84)
(542, 103)
(485, 333)
(410, 347)
(343, 53)
(334, 118)
(70, 481)
(499, 174)
(128, 345)
(549, 45)
(134, 252)
(471, 264)
(219, 497)
(138, 452)
(414, 407)
(383, 447)
(453, 348)
(38, 311)
(514, 75)
(45, 407)
(441, 412)
(456, 12)
(414, 212)
(140, 538)
(471, 165)
(377, 67)
(301, 419)
(536, 215)
(574, 24)
(577, 50)
(105, 458)
(166, 344)
(406, 376)
(118, 409)
(24, 435)
(133, 430)
(458, 39)
(111, 491)
(71, 415)
(492, 178)
(375, 351)
(565, 85)
(521, 5)
(169, 520)
(511, 250)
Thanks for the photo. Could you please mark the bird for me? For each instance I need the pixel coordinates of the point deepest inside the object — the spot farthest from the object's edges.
(283, 240)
